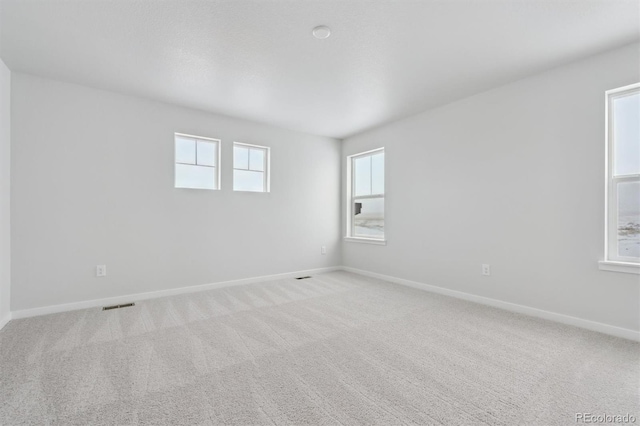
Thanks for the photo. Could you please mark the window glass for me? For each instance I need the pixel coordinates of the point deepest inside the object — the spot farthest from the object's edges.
(367, 195)
(369, 217)
(629, 219)
(196, 177)
(247, 180)
(377, 173)
(250, 168)
(240, 157)
(362, 176)
(626, 134)
(256, 159)
(623, 180)
(196, 162)
(185, 150)
(206, 153)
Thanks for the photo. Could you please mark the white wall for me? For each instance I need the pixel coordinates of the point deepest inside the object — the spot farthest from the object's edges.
(513, 177)
(92, 183)
(5, 231)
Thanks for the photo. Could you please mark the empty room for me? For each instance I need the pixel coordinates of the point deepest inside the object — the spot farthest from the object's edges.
(319, 212)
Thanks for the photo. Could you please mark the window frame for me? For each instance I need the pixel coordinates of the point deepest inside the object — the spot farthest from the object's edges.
(352, 198)
(217, 149)
(613, 261)
(266, 188)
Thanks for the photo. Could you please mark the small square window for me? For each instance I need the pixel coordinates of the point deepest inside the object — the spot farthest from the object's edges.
(196, 162)
(250, 168)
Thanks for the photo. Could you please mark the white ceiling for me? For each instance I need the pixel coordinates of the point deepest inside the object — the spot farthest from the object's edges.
(257, 59)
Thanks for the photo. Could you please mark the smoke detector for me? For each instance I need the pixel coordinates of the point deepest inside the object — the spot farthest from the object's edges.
(321, 32)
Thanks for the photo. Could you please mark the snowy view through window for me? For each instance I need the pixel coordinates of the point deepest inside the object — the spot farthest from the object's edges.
(626, 168)
(368, 197)
(629, 219)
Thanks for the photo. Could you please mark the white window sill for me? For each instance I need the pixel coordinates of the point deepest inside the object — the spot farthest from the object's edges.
(366, 240)
(626, 267)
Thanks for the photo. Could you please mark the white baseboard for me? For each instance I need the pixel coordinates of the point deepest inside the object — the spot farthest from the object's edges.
(513, 307)
(25, 313)
(4, 321)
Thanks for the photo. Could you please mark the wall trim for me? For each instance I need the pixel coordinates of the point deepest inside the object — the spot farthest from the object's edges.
(612, 330)
(508, 306)
(116, 300)
(4, 321)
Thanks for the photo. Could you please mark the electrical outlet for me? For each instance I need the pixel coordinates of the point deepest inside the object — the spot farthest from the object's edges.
(486, 269)
(101, 271)
(323, 250)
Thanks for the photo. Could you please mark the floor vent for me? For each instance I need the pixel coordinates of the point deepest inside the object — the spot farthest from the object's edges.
(303, 278)
(126, 305)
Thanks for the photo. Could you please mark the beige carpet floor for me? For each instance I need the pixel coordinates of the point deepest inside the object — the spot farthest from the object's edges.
(337, 349)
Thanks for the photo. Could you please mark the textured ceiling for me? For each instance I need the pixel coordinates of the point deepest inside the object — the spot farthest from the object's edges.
(257, 59)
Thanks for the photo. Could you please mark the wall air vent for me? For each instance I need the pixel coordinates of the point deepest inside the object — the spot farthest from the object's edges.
(126, 305)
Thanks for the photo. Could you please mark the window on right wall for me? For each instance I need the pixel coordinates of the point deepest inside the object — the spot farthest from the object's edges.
(366, 196)
(623, 178)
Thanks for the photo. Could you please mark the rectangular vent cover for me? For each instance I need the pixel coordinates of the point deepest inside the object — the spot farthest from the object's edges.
(303, 278)
(126, 305)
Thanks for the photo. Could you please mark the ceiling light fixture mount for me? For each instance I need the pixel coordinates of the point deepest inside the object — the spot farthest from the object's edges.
(321, 32)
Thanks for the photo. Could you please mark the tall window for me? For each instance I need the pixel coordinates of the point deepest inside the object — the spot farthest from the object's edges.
(197, 163)
(366, 198)
(250, 168)
(623, 175)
